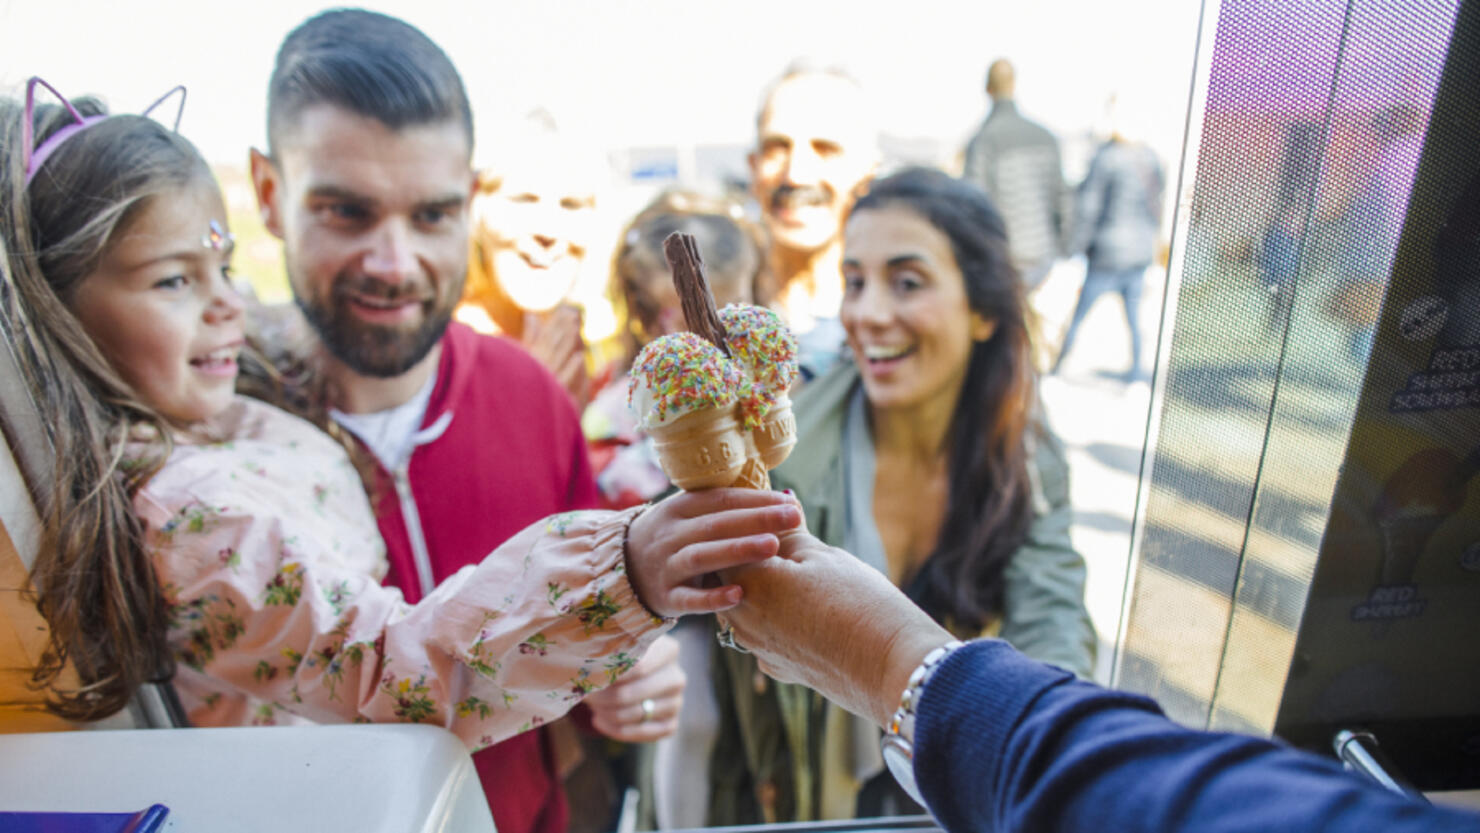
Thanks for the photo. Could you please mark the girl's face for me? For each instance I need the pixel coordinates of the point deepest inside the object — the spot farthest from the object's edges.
(161, 305)
(905, 309)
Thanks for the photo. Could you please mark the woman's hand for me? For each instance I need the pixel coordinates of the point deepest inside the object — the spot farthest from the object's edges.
(554, 339)
(643, 704)
(672, 546)
(820, 617)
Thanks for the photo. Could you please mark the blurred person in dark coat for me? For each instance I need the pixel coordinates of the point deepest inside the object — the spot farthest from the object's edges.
(1117, 225)
(1016, 161)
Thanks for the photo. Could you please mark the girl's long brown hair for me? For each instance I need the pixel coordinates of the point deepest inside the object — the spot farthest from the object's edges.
(990, 506)
(93, 580)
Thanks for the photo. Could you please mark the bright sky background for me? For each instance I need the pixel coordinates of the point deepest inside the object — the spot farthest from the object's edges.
(622, 73)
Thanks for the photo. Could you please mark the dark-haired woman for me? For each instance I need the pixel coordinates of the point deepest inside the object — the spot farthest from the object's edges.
(928, 457)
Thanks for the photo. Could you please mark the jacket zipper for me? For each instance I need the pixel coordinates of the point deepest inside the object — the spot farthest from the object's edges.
(411, 517)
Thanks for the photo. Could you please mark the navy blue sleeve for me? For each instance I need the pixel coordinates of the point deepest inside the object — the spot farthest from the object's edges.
(1006, 743)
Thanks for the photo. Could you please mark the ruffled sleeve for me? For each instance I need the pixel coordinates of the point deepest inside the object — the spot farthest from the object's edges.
(270, 602)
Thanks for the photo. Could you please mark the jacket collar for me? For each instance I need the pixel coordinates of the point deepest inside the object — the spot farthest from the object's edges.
(820, 409)
(454, 371)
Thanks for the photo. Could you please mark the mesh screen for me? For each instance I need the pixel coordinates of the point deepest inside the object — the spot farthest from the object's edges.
(1305, 153)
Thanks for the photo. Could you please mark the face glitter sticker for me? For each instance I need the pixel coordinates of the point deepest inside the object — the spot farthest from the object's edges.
(216, 238)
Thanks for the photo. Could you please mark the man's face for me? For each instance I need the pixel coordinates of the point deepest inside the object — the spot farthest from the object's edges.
(534, 221)
(813, 152)
(374, 224)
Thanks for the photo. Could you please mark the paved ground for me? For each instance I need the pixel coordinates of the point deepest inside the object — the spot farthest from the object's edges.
(1102, 420)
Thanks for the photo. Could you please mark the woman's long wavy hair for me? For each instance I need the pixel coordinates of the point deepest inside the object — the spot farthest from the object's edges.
(989, 506)
(93, 580)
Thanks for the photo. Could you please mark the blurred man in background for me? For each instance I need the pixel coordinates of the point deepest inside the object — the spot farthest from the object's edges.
(1016, 161)
(816, 148)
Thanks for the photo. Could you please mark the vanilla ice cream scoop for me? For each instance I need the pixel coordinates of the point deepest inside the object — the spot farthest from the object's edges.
(679, 374)
(767, 351)
(683, 393)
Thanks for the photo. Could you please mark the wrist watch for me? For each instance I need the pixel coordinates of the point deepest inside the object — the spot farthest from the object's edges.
(898, 743)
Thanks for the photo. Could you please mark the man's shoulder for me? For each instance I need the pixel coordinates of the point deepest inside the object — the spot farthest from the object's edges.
(1043, 133)
(1014, 129)
(1028, 131)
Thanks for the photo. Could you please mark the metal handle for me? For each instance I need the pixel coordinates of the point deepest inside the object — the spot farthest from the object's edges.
(157, 706)
(1359, 751)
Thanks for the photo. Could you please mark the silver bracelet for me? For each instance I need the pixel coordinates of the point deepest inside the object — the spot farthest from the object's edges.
(898, 743)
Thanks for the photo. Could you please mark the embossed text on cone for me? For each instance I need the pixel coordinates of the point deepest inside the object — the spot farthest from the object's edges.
(701, 450)
(776, 436)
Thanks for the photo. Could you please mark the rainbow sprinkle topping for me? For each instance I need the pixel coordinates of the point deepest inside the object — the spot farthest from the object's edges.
(765, 347)
(683, 373)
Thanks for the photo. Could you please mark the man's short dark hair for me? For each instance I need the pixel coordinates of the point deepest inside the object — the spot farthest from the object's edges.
(369, 64)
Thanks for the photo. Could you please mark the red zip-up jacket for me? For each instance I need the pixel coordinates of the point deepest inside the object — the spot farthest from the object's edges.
(500, 447)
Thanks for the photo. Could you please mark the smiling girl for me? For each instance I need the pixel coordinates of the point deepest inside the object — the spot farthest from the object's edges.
(196, 534)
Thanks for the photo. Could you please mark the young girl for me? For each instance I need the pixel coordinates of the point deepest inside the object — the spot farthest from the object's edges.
(188, 525)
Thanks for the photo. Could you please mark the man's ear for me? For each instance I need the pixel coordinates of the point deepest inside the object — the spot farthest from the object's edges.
(754, 160)
(982, 328)
(267, 183)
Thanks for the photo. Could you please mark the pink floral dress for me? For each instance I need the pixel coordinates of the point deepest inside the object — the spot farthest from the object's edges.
(271, 562)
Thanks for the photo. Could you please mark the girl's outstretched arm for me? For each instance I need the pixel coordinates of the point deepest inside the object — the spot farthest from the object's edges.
(272, 570)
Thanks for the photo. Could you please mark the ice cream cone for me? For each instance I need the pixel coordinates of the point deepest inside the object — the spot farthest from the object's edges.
(776, 436)
(753, 476)
(701, 450)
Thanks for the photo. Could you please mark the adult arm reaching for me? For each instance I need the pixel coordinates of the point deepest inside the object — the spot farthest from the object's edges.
(1002, 742)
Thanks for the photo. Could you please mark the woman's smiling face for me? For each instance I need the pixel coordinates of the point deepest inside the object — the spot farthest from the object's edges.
(905, 309)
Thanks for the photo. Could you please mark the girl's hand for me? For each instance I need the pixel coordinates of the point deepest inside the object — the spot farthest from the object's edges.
(672, 546)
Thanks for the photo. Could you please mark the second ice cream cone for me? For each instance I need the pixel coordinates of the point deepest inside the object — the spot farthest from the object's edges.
(776, 435)
(754, 474)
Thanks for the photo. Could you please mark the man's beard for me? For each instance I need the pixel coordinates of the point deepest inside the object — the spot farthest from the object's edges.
(373, 350)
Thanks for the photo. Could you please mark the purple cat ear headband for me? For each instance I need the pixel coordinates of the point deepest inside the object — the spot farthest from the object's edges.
(36, 156)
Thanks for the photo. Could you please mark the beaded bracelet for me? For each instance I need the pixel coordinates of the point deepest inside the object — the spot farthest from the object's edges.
(626, 532)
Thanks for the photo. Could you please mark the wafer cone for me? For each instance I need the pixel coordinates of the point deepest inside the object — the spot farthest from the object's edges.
(753, 475)
(701, 450)
(776, 436)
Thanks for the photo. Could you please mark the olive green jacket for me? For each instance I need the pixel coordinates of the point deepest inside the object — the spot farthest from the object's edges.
(784, 753)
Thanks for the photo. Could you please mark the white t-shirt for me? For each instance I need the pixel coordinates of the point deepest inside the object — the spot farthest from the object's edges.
(391, 435)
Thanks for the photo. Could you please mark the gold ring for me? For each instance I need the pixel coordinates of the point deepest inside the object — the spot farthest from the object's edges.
(648, 707)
